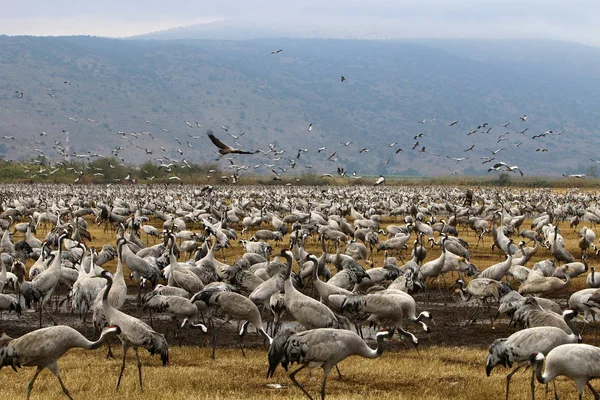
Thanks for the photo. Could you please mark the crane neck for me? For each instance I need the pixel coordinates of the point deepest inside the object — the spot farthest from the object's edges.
(537, 368)
(104, 336)
(109, 283)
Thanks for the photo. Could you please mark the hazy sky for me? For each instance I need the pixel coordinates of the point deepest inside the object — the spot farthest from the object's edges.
(575, 20)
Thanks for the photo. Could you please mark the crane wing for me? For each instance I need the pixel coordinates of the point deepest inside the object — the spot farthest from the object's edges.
(216, 141)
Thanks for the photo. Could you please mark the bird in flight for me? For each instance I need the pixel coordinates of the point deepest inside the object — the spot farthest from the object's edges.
(523, 118)
(502, 166)
(399, 150)
(225, 149)
(19, 94)
(453, 123)
(494, 152)
(458, 158)
(542, 150)
(420, 135)
(579, 176)
(277, 51)
(309, 127)
(342, 79)
(470, 148)
(415, 145)
(380, 181)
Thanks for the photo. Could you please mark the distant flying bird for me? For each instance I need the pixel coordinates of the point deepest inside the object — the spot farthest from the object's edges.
(538, 136)
(276, 51)
(422, 150)
(309, 127)
(470, 148)
(453, 123)
(542, 150)
(225, 149)
(422, 121)
(236, 137)
(399, 150)
(472, 132)
(415, 145)
(19, 94)
(487, 159)
(501, 166)
(188, 124)
(380, 181)
(91, 120)
(596, 161)
(347, 143)
(392, 144)
(579, 176)
(321, 149)
(494, 152)
(458, 158)
(506, 124)
(342, 79)
(523, 131)
(363, 150)
(72, 119)
(226, 129)
(420, 135)
(332, 155)
(69, 83)
(523, 118)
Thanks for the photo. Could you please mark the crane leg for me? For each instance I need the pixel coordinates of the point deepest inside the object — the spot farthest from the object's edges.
(54, 368)
(139, 365)
(293, 378)
(125, 348)
(508, 377)
(35, 375)
(340, 376)
(214, 339)
(596, 395)
(109, 354)
(325, 374)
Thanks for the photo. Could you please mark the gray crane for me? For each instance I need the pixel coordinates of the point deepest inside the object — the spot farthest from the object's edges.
(580, 362)
(235, 306)
(116, 298)
(497, 271)
(43, 347)
(134, 332)
(307, 311)
(517, 348)
(558, 251)
(43, 285)
(323, 347)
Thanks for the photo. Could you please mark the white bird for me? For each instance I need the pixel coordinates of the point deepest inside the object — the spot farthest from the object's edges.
(380, 181)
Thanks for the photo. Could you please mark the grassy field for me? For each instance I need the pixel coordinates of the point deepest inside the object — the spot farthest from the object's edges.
(454, 372)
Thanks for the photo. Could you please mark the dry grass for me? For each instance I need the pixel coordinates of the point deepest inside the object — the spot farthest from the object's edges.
(435, 373)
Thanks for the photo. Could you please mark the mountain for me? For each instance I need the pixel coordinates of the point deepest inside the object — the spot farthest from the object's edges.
(148, 89)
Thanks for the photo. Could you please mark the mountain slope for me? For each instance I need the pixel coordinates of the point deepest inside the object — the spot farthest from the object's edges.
(389, 87)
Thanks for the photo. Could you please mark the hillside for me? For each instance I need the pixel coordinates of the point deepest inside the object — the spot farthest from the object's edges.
(389, 87)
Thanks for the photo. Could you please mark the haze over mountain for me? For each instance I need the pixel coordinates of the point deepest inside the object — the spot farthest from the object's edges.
(390, 86)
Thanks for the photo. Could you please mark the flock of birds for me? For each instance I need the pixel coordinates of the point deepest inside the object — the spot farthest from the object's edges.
(327, 299)
(158, 146)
